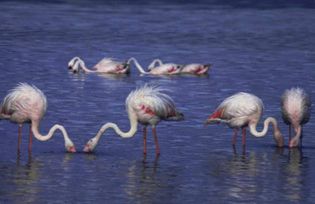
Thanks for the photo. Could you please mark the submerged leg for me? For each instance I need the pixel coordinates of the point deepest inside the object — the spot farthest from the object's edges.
(234, 136)
(30, 140)
(289, 132)
(157, 147)
(301, 138)
(144, 140)
(19, 137)
(244, 136)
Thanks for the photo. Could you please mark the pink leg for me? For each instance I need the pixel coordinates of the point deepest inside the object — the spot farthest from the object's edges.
(244, 136)
(19, 137)
(234, 136)
(157, 147)
(30, 141)
(144, 140)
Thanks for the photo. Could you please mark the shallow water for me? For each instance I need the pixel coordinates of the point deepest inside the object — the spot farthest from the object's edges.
(259, 50)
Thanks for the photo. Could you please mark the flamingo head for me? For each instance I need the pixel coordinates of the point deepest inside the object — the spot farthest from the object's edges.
(212, 121)
(90, 145)
(71, 149)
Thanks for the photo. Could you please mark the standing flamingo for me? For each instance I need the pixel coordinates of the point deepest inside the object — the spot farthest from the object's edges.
(106, 65)
(241, 110)
(197, 69)
(295, 108)
(146, 105)
(27, 104)
(161, 69)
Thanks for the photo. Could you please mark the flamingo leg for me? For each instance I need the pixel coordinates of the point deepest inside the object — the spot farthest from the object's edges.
(30, 141)
(19, 137)
(234, 136)
(244, 136)
(301, 138)
(144, 140)
(289, 132)
(157, 147)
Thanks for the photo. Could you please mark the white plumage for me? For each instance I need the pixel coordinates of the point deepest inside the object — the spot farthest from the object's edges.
(241, 110)
(106, 65)
(146, 105)
(295, 107)
(28, 104)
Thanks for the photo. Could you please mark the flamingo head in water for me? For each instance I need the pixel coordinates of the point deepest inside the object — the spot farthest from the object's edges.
(90, 145)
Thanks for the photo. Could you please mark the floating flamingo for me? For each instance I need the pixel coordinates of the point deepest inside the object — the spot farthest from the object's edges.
(146, 105)
(295, 106)
(27, 104)
(197, 69)
(241, 110)
(162, 69)
(106, 65)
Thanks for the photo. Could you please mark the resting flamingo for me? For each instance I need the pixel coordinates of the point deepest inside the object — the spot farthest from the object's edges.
(146, 105)
(241, 110)
(27, 104)
(197, 69)
(162, 69)
(295, 108)
(106, 65)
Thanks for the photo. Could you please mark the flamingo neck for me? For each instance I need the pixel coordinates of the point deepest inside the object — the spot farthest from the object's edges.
(39, 136)
(82, 65)
(154, 62)
(139, 67)
(276, 131)
(133, 127)
(296, 139)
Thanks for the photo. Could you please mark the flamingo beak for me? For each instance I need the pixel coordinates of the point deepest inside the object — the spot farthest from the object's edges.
(72, 149)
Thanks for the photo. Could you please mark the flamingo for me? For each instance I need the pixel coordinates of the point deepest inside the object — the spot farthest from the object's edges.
(106, 65)
(147, 106)
(241, 110)
(27, 104)
(295, 108)
(197, 69)
(162, 69)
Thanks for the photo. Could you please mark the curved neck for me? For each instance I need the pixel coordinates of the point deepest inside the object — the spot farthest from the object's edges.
(132, 59)
(296, 138)
(133, 127)
(37, 135)
(154, 62)
(253, 126)
(82, 65)
(73, 60)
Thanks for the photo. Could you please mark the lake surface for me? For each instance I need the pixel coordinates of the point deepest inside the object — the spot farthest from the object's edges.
(262, 50)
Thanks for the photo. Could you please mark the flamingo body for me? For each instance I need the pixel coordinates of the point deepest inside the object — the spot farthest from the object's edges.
(194, 68)
(159, 69)
(106, 65)
(28, 104)
(241, 110)
(147, 106)
(295, 108)
(197, 69)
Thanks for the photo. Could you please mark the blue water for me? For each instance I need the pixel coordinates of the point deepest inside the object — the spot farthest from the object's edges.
(261, 48)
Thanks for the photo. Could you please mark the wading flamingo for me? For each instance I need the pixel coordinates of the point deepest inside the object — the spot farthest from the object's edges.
(106, 65)
(295, 108)
(162, 69)
(197, 69)
(146, 105)
(27, 104)
(241, 110)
